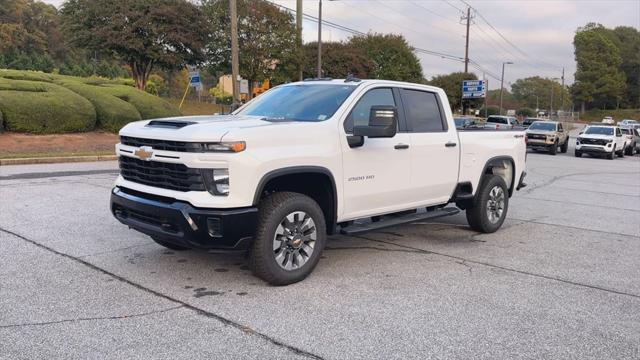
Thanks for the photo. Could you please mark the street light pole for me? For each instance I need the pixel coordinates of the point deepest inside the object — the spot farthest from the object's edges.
(551, 103)
(235, 67)
(502, 84)
(319, 38)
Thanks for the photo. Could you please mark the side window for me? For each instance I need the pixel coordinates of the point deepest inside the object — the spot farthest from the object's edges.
(618, 133)
(360, 113)
(559, 127)
(422, 111)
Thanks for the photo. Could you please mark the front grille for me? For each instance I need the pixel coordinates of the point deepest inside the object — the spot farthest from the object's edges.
(167, 145)
(163, 175)
(593, 141)
(536, 136)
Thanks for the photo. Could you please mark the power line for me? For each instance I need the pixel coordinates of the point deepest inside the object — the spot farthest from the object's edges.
(433, 12)
(453, 6)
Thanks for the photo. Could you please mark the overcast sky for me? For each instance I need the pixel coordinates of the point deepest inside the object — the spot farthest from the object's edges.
(541, 29)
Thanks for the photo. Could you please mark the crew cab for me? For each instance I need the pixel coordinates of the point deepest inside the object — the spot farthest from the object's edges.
(501, 122)
(601, 139)
(547, 135)
(308, 159)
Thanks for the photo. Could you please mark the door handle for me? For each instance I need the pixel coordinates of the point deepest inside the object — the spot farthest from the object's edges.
(401, 146)
(450, 144)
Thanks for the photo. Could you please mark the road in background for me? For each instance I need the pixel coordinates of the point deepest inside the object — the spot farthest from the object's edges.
(561, 279)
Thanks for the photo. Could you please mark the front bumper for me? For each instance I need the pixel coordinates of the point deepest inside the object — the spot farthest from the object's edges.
(180, 223)
(593, 149)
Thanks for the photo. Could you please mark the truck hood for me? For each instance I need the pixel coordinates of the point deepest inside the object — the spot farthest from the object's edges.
(207, 128)
(540, 132)
(597, 136)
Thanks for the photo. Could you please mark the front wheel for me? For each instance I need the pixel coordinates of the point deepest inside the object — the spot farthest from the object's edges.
(490, 205)
(554, 148)
(578, 153)
(621, 152)
(612, 154)
(289, 239)
(565, 146)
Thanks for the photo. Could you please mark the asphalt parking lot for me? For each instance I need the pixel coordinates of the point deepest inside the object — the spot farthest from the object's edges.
(560, 280)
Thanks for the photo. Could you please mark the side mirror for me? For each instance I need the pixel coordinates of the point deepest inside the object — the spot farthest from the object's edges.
(383, 122)
(581, 132)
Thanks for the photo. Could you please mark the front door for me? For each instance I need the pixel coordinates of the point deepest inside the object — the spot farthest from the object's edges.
(377, 175)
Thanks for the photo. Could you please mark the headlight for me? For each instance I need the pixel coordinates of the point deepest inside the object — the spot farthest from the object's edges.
(216, 181)
(229, 146)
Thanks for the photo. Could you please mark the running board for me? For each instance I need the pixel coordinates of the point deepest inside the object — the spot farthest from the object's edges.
(393, 221)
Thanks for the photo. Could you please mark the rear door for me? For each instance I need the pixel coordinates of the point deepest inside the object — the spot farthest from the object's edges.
(434, 147)
(377, 175)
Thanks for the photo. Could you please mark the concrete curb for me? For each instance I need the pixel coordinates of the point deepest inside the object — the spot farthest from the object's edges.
(59, 159)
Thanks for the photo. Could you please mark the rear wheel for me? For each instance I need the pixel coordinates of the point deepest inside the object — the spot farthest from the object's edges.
(490, 205)
(169, 245)
(289, 239)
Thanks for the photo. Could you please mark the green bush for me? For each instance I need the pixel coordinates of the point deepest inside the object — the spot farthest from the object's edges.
(526, 112)
(112, 112)
(491, 110)
(44, 108)
(37, 102)
(149, 106)
(221, 96)
(1, 122)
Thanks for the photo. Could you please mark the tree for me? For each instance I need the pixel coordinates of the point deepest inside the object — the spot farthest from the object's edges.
(143, 33)
(628, 42)
(394, 59)
(452, 85)
(266, 40)
(537, 92)
(339, 59)
(598, 80)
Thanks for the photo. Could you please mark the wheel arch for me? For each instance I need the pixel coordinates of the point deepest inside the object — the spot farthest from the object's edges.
(503, 166)
(316, 182)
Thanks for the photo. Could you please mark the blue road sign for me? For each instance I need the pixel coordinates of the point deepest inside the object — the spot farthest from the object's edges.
(473, 89)
(194, 78)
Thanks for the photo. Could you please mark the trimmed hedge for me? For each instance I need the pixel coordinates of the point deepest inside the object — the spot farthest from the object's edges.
(44, 108)
(50, 103)
(149, 106)
(112, 112)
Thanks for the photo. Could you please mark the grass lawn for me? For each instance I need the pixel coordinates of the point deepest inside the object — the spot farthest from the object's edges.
(198, 108)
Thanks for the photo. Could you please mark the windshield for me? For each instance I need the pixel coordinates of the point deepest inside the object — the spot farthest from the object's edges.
(547, 126)
(599, 130)
(528, 121)
(459, 122)
(626, 131)
(304, 102)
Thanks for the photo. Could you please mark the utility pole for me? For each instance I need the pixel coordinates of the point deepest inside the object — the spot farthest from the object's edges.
(235, 67)
(502, 84)
(486, 95)
(319, 39)
(562, 93)
(466, 46)
(299, 33)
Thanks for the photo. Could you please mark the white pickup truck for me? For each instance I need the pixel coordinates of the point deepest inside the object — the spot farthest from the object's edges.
(308, 159)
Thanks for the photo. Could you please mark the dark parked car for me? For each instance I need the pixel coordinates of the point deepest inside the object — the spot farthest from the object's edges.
(528, 121)
(462, 122)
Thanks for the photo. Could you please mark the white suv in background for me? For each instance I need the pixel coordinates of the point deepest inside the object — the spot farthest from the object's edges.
(601, 139)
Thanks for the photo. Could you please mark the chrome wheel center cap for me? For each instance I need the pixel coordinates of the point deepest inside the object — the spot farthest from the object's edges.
(296, 242)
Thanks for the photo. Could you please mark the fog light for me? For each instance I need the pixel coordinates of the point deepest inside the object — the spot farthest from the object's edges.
(221, 181)
(215, 227)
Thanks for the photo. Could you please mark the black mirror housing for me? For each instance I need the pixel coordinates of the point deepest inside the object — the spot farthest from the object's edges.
(383, 122)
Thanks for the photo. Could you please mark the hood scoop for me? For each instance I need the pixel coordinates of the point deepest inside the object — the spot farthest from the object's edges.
(168, 124)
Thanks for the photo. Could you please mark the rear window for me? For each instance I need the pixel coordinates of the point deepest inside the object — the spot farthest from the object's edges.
(497, 120)
(422, 111)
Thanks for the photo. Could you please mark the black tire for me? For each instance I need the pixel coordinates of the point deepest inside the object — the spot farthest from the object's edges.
(578, 153)
(621, 152)
(477, 213)
(272, 211)
(629, 150)
(612, 154)
(554, 148)
(565, 146)
(169, 245)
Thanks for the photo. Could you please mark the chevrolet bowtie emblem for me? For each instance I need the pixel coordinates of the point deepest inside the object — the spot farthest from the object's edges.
(144, 152)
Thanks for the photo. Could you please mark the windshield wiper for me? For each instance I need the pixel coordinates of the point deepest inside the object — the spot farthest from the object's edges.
(276, 119)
